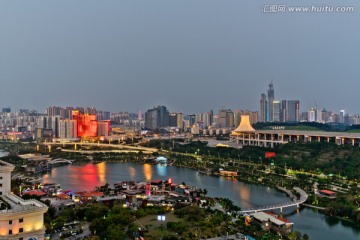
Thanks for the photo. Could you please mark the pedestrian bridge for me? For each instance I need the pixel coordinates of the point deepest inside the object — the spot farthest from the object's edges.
(302, 199)
(60, 160)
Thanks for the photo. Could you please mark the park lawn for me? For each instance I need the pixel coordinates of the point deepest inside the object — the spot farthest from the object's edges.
(151, 220)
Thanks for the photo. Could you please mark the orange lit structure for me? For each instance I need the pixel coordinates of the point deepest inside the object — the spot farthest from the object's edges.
(86, 124)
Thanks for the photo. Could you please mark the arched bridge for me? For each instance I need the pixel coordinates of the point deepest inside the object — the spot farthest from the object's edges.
(60, 160)
(302, 199)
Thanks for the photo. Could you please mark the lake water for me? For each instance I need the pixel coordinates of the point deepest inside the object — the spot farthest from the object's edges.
(306, 220)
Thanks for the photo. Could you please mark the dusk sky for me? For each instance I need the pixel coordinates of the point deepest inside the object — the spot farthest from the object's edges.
(189, 55)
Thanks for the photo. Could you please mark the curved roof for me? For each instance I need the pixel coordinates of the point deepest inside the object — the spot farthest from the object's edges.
(244, 125)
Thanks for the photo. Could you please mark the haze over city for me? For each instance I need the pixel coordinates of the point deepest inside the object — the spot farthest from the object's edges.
(191, 56)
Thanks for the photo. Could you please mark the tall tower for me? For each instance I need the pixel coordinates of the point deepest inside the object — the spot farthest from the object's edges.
(263, 108)
(271, 101)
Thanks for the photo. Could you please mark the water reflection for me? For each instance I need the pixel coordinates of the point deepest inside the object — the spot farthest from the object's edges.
(315, 224)
(245, 197)
(161, 170)
(101, 171)
(88, 174)
(147, 170)
(132, 172)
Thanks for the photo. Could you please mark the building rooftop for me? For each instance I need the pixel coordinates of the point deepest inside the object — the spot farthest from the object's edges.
(261, 216)
(244, 125)
(327, 192)
(20, 205)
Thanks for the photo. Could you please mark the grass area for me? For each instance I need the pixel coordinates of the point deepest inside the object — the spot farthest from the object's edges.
(151, 220)
(353, 131)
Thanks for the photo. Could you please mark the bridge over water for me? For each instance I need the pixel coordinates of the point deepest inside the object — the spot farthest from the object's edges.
(60, 160)
(302, 199)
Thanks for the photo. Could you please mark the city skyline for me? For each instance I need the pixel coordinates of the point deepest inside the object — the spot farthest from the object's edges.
(191, 56)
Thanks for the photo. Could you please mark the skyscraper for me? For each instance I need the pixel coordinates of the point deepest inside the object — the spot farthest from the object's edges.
(263, 108)
(283, 116)
(276, 110)
(293, 114)
(226, 118)
(271, 100)
(157, 118)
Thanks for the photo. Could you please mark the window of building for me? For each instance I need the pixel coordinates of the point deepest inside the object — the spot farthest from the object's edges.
(0, 184)
(10, 232)
(10, 221)
(0, 177)
(0, 193)
(21, 238)
(21, 220)
(21, 230)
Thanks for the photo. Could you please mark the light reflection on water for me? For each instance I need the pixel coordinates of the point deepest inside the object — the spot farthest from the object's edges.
(86, 177)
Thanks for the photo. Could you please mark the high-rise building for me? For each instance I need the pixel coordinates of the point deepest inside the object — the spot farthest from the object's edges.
(86, 124)
(271, 95)
(325, 116)
(226, 118)
(56, 111)
(276, 110)
(263, 108)
(67, 129)
(283, 115)
(172, 119)
(103, 128)
(180, 121)
(176, 120)
(342, 116)
(293, 112)
(157, 118)
(237, 117)
(312, 114)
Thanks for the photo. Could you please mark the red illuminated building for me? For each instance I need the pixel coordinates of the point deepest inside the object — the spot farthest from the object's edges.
(86, 124)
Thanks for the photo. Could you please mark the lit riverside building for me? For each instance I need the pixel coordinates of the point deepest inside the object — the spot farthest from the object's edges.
(19, 219)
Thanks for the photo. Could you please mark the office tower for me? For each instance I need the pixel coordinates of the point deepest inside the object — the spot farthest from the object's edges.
(173, 119)
(263, 108)
(293, 113)
(180, 121)
(312, 115)
(192, 119)
(325, 116)
(157, 118)
(276, 110)
(283, 115)
(271, 100)
(342, 116)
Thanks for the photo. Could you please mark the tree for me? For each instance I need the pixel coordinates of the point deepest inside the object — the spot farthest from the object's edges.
(306, 237)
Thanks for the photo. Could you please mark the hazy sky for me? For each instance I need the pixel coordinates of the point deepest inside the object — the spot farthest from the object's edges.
(189, 55)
